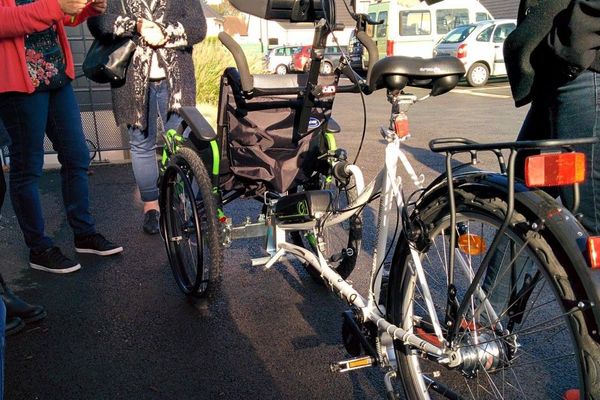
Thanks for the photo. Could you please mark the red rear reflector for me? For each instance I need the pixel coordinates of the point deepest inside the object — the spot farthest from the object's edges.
(390, 48)
(461, 52)
(593, 245)
(555, 169)
(401, 125)
(572, 394)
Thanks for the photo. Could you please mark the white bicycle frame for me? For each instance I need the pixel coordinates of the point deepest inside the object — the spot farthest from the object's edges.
(390, 186)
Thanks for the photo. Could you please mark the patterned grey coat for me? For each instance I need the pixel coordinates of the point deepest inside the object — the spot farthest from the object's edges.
(184, 25)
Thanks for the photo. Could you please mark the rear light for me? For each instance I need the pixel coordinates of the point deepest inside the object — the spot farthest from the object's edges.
(401, 125)
(554, 169)
(461, 52)
(390, 48)
(593, 245)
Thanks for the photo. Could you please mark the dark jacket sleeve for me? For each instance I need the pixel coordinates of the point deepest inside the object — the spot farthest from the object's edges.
(113, 23)
(187, 27)
(575, 37)
(526, 50)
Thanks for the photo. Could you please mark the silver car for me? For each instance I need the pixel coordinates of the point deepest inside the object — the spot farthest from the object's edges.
(278, 59)
(480, 47)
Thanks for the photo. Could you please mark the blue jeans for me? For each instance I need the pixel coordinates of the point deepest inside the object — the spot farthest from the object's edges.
(143, 143)
(2, 346)
(26, 118)
(567, 112)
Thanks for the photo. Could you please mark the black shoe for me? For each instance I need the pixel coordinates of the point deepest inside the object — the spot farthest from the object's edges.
(96, 244)
(52, 260)
(13, 325)
(151, 226)
(17, 307)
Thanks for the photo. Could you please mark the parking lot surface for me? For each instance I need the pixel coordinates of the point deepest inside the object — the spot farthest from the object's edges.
(120, 329)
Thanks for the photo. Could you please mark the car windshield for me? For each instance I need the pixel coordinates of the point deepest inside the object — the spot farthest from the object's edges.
(459, 34)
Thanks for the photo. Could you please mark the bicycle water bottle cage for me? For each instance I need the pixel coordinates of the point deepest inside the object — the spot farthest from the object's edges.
(304, 206)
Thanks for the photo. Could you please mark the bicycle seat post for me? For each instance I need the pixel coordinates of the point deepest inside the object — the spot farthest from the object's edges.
(401, 103)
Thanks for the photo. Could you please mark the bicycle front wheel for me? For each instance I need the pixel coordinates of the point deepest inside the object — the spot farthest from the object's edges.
(190, 225)
(522, 335)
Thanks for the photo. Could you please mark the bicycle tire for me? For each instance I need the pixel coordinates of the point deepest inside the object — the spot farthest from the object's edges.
(184, 222)
(563, 349)
(341, 240)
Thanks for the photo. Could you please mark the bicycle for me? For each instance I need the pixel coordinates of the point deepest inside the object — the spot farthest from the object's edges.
(492, 289)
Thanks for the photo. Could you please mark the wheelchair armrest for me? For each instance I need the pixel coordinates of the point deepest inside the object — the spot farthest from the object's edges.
(199, 125)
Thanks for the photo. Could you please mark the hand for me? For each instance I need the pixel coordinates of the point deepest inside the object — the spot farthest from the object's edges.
(151, 33)
(99, 5)
(72, 7)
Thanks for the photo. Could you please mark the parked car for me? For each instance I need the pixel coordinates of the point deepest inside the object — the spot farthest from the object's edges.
(331, 59)
(279, 58)
(480, 47)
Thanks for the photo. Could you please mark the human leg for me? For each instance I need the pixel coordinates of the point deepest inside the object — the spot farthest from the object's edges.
(143, 144)
(575, 113)
(66, 134)
(24, 117)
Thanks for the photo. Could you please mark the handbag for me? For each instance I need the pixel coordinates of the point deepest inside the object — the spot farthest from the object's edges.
(107, 61)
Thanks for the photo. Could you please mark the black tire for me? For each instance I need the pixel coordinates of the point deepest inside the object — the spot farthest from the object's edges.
(281, 69)
(340, 243)
(326, 68)
(555, 351)
(478, 74)
(189, 217)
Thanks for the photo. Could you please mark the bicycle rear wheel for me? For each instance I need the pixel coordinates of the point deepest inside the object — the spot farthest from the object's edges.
(189, 224)
(339, 243)
(522, 335)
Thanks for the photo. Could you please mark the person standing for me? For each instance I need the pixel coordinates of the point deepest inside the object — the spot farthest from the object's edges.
(36, 98)
(160, 79)
(553, 62)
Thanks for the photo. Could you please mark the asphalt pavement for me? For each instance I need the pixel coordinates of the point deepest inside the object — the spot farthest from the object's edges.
(120, 329)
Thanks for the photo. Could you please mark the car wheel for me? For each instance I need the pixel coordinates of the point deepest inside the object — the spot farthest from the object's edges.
(281, 70)
(326, 68)
(478, 74)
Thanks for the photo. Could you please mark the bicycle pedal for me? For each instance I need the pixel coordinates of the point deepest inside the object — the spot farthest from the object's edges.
(352, 364)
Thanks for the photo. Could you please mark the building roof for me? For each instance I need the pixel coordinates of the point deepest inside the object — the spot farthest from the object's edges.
(235, 26)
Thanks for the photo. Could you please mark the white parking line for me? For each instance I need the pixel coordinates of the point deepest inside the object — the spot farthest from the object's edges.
(472, 93)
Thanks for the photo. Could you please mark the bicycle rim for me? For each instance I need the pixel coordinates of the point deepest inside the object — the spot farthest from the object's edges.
(509, 351)
(185, 240)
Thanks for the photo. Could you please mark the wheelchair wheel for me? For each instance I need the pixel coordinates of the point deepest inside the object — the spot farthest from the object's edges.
(189, 224)
(339, 243)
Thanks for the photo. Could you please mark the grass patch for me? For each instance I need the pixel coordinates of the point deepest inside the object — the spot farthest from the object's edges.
(210, 60)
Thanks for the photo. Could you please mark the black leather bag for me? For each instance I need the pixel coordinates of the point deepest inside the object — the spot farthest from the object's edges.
(107, 61)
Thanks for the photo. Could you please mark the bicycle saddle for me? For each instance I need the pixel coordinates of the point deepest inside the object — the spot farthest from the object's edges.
(441, 74)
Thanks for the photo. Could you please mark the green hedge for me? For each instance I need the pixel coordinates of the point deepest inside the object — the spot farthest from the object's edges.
(210, 60)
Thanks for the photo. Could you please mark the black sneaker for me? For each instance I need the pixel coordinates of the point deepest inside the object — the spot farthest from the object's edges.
(151, 226)
(53, 260)
(96, 244)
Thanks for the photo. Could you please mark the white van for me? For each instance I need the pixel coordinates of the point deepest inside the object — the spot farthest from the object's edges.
(414, 31)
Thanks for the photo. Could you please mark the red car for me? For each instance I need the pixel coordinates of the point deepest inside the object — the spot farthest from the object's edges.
(300, 58)
(331, 59)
